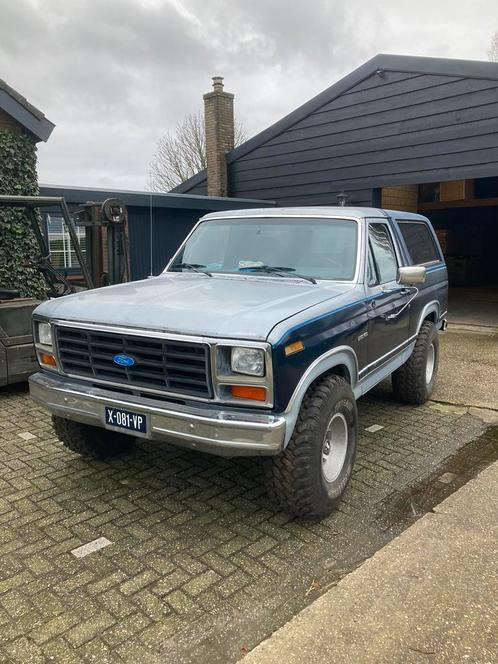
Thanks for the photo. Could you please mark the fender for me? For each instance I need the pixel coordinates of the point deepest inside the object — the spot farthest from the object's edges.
(341, 355)
(430, 307)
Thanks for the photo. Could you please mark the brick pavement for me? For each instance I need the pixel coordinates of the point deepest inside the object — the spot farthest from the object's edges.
(200, 568)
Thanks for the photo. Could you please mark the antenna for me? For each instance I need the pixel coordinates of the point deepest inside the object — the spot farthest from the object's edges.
(150, 234)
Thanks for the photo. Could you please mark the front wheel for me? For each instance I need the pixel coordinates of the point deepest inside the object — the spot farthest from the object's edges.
(309, 477)
(414, 381)
(90, 441)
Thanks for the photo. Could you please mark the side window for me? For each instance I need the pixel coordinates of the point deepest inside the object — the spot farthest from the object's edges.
(372, 279)
(419, 242)
(383, 252)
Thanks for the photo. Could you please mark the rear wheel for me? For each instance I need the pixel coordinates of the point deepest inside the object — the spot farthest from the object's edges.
(414, 381)
(90, 441)
(309, 477)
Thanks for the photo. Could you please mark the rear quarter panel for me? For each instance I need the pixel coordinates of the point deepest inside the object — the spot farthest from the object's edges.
(435, 289)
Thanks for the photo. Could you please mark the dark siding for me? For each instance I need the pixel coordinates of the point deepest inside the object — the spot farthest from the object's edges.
(403, 128)
(169, 229)
(303, 196)
(199, 190)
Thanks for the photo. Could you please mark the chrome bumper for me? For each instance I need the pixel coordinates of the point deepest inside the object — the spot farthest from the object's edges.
(222, 432)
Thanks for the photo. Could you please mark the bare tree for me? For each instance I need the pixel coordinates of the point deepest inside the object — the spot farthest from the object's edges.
(493, 48)
(181, 154)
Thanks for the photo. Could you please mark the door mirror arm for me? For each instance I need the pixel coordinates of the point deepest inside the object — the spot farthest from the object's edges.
(414, 290)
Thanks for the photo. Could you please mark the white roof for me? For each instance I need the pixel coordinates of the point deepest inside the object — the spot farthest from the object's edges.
(313, 211)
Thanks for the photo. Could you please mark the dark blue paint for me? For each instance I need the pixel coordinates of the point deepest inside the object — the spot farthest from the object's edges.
(285, 339)
(337, 327)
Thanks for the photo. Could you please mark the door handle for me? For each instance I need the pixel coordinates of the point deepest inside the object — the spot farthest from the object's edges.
(373, 304)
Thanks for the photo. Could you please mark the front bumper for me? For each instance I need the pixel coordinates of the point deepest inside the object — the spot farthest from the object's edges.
(217, 431)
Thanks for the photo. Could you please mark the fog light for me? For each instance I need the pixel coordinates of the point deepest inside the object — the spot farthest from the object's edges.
(248, 392)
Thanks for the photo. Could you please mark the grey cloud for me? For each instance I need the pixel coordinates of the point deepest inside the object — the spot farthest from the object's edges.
(115, 74)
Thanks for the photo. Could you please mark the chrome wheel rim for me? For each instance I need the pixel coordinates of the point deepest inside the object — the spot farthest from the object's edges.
(429, 366)
(335, 447)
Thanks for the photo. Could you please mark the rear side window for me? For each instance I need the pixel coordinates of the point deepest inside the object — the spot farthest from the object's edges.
(419, 242)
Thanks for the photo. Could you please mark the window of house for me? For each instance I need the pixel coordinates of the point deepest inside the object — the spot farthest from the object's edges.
(429, 192)
(419, 242)
(383, 252)
(62, 254)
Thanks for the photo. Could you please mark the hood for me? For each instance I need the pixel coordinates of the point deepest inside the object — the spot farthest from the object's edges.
(220, 306)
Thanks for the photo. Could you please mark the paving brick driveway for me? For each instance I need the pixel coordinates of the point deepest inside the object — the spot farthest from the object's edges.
(200, 567)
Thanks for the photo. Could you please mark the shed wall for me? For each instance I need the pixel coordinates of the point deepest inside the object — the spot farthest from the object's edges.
(169, 229)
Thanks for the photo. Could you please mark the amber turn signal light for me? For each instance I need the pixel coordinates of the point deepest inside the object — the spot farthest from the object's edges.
(47, 359)
(248, 392)
(293, 348)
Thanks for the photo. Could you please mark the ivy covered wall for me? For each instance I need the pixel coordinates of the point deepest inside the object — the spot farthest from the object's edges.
(17, 244)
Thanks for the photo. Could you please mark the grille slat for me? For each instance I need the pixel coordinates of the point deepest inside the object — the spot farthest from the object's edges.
(160, 364)
(181, 367)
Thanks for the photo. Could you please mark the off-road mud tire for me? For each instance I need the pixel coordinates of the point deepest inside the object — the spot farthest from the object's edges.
(294, 478)
(409, 381)
(90, 441)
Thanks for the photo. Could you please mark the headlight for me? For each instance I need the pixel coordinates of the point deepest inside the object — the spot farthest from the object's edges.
(249, 361)
(45, 334)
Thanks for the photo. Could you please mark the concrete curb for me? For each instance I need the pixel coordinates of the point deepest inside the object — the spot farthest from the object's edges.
(429, 595)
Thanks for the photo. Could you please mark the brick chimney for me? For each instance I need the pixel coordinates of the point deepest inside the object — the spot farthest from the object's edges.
(219, 123)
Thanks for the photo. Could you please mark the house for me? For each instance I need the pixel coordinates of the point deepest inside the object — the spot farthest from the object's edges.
(18, 116)
(411, 133)
(22, 126)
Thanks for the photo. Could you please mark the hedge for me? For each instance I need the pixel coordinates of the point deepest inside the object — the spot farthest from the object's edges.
(17, 244)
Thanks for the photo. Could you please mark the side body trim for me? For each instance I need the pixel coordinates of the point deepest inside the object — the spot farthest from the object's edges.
(382, 360)
(385, 370)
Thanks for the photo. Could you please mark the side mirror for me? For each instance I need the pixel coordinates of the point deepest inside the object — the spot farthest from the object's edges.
(414, 274)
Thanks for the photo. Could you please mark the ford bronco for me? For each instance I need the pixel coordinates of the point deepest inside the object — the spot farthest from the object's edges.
(257, 339)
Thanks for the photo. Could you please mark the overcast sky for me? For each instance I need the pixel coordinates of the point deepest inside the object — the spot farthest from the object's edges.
(113, 75)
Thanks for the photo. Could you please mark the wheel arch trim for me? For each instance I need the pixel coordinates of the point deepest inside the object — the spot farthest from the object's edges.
(336, 357)
(430, 307)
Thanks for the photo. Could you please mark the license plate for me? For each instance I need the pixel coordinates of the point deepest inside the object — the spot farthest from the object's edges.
(125, 419)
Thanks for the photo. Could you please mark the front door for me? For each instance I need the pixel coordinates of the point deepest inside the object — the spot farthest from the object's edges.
(388, 315)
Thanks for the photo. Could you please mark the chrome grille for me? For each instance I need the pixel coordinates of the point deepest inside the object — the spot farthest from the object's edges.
(160, 364)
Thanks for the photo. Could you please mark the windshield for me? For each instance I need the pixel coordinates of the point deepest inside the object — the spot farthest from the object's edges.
(317, 248)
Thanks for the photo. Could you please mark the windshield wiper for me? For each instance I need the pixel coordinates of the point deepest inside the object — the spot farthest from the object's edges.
(278, 270)
(194, 267)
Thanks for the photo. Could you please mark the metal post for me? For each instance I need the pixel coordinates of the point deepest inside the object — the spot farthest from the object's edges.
(35, 225)
(74, 241)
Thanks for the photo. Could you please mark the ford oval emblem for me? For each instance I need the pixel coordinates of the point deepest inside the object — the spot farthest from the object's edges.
(124, 360)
